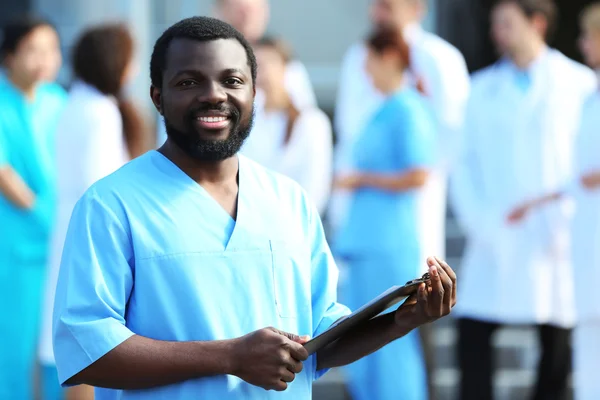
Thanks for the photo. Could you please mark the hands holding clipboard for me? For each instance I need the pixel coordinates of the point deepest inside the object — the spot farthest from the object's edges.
(426, 299)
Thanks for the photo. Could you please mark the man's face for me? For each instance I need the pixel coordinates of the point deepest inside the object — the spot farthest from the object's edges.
(511, 29)
(395, 13)
(250, 17)
(207, 97)
(590, 46)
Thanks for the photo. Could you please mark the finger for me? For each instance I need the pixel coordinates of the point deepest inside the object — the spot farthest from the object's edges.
(447, 284)
(280, 386)
(437, 295)
(294, 366)
(298, 352)
(302, 339)
(287, 375)
(452, 276)
(422, 297)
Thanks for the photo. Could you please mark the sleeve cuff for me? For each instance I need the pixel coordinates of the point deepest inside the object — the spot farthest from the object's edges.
(79, 345)
(335, 312)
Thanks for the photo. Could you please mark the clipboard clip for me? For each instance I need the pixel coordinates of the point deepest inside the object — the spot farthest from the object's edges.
(425, 278)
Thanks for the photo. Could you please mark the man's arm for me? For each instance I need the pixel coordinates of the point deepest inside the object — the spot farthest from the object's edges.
(141, 363)
(430, 304)
(267, 358)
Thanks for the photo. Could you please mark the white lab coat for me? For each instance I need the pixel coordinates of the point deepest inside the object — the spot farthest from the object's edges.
(298, 85)
(89, 146)
(518, 145)
(444, 72)
(586, 256)
(307, 158)
(586, 222)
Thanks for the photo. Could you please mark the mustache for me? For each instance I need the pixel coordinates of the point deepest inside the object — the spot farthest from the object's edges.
(224, 109)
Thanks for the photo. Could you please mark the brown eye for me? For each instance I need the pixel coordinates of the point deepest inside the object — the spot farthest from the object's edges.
(233, 82)
(187, 83)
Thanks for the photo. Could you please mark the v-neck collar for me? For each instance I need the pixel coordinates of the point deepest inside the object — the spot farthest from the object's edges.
(199, 189)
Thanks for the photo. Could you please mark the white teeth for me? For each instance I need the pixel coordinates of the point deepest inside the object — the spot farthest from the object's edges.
(212, 119)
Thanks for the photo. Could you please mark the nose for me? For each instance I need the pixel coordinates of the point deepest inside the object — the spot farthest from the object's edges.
(213, 93)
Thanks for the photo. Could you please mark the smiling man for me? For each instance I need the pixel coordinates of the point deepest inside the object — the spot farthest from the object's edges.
(192, 272)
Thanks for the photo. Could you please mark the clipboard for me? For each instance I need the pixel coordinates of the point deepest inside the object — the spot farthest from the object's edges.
(387, 299)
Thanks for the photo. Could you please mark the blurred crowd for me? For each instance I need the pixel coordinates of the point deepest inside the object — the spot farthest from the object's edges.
(512, 148)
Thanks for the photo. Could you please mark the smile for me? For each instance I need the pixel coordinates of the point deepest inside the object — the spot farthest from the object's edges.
(212, 119)
(212, 122)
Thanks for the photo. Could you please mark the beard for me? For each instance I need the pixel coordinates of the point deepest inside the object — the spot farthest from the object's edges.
(211, 150)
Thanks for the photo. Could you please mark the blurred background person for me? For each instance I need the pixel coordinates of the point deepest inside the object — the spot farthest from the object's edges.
(442, 71)
(98, 132)
(29, 106)
(251, 18)
(378, 241)
(521, 122)
(585, 232)
(297, 142)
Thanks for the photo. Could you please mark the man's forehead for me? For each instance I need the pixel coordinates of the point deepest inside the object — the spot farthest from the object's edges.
(184, 53)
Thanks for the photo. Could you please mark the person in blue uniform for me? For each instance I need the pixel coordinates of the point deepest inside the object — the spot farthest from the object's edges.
(29, 106)
(194, 273)
(379, 241)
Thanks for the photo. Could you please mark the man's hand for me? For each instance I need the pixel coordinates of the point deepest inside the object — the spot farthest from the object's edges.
(433, 300)
(269, 358)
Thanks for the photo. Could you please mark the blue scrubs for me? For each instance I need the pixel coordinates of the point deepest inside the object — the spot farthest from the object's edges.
(150, 252)
(379, 241)
(26, 145)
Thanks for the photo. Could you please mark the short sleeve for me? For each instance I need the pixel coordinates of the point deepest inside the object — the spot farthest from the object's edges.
(94, 285)
(326, 309)
(414, 131)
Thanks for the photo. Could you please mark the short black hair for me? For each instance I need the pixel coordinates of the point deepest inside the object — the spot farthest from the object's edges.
(202, 29)
(546, 8)
(17, 29)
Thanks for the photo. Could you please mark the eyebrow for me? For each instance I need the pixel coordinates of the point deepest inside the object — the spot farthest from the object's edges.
(196, 72)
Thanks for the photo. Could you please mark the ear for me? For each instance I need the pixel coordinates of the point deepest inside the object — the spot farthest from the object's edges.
(155, 95)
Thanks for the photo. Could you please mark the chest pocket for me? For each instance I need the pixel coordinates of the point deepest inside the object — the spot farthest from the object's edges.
(291, 278)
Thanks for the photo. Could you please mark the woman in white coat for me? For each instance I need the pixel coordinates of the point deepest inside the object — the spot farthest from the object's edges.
(296, 142)
(585, 233)
(521, 120)
(98, 132)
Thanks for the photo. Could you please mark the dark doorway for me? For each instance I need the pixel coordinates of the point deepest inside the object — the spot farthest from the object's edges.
(465, 23)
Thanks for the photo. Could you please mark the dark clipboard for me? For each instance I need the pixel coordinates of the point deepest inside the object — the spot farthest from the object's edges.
(387, 299)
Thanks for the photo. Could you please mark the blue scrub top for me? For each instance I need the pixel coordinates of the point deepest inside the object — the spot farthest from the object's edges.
(400, 137)
(27, 130)
(150, 252)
